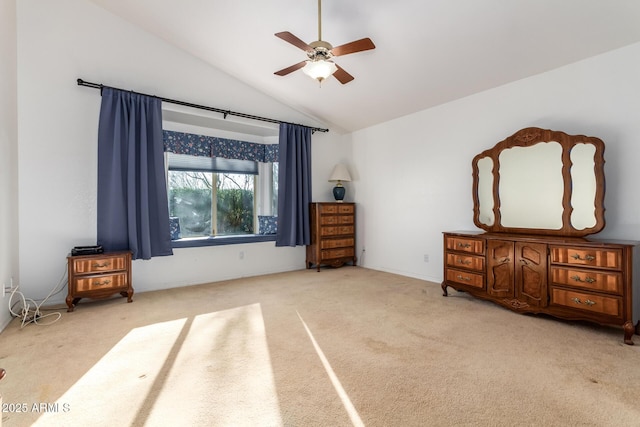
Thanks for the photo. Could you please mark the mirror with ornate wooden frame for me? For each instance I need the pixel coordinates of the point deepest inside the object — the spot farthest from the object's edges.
(540, 181)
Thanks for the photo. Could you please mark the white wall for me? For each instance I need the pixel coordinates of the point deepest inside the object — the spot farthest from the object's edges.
(414, 173)
(412, 176)
(8, 152)
(61, 41)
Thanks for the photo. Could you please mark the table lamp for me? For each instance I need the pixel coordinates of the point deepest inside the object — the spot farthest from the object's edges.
(339, 174)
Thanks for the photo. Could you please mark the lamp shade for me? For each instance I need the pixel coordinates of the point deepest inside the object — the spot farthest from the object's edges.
(319, 69)
(340, 173)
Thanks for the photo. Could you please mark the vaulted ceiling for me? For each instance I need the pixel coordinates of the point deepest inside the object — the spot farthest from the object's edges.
(428, 52)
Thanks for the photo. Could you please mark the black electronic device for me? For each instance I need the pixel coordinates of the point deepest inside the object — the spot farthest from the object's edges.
(87, 250)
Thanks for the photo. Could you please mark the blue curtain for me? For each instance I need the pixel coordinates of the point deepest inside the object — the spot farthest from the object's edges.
(294, 186)
(133, 212)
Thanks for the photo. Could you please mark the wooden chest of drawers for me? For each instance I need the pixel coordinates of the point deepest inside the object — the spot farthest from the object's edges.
(569, 278)
(333, 234)
(98, 276)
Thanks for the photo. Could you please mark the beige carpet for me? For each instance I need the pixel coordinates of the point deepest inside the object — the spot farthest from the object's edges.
(342, 347)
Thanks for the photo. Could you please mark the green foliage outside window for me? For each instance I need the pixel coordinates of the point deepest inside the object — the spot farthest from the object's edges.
(190, 199)
(235, 211)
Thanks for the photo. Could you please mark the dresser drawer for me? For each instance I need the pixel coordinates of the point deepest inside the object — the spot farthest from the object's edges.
(608, 305)
(337, 253)
(327, 209)
(337, 230)
(594, 280)
(346, 209)
(337, 243)
(465, 278)
(465, 261)
(591, 257)
(99, 265)
(336, 220)
(102, 282)
(336, 208)
(464, 244)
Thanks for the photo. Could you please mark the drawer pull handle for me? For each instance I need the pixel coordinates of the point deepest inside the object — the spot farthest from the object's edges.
(464, 245)
(464, 261)
(586, 257)
(586, 279)
(505, 260)
(587, 301)
(103, 283)
(459, 277)
(103, 265)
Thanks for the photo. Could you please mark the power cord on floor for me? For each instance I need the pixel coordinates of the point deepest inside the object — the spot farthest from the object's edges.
(30, 310)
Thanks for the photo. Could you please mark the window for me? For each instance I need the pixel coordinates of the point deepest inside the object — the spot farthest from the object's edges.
(212, 196)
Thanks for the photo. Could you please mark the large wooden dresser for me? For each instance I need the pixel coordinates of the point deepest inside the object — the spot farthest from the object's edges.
(99, 276)
(566, 277)
(333, 234)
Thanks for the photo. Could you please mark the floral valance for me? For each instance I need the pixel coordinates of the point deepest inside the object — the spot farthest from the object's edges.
(211, 146)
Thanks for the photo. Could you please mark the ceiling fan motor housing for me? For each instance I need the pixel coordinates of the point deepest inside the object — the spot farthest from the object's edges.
(321, 50)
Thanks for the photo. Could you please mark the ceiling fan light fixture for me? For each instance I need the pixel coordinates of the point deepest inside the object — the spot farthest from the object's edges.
(319, 65)
(319, 69)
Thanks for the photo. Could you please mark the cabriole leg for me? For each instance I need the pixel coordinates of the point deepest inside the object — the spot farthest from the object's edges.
(629, 330)
(444, 289)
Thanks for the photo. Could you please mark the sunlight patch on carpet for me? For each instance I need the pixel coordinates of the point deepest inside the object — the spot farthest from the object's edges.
(214, 367)
(348, 406)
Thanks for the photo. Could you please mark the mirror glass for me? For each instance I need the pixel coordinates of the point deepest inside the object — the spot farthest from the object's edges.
(531, 186)
(485, 190)
(540, 181)
(583, 186)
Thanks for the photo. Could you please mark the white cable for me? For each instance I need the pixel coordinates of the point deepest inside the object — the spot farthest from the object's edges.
(35, 316)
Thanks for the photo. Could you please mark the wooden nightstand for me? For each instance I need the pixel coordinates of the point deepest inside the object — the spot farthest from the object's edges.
(99, 276)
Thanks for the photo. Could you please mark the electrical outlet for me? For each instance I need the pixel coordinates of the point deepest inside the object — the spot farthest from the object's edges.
(241, 254)
(6, 288)
(426, 257)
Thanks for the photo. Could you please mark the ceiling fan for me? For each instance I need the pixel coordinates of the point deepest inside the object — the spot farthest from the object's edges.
(319, 65)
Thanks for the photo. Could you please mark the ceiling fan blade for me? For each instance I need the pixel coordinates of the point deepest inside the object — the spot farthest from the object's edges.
(353, 47)
(290, 69)
(342, 76)
(290, 38)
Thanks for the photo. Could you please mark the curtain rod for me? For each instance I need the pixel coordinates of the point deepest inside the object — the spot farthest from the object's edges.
(225, 113)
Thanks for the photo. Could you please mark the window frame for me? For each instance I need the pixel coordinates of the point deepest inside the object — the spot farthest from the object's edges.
(197, 242)
(218, 240)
